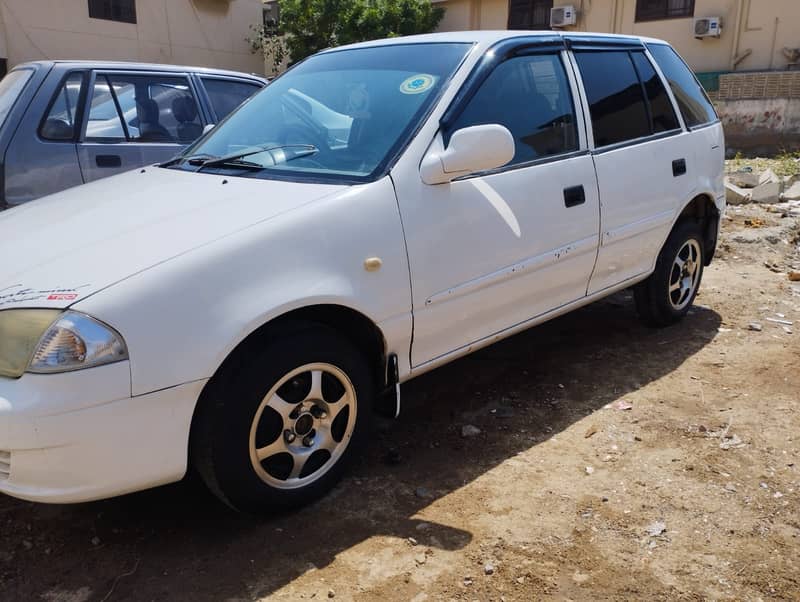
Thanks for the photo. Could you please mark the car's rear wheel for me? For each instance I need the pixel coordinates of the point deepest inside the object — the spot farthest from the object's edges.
(276, 430)
(668, 293)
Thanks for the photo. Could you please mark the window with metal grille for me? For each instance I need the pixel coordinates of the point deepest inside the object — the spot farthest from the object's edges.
(529, 14)
(653, 10)
(113, 10)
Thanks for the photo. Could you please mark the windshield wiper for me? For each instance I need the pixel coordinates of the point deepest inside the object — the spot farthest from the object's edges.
(235, 159)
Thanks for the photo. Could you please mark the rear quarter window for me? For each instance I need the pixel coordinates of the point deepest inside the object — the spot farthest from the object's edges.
(693, 102)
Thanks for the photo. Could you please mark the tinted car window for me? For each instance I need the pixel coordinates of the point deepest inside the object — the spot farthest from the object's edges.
(530, 96)
(60, 121)
(226, 95)
(153, 108)
(692, 99)
(663, 118)
(616, 102)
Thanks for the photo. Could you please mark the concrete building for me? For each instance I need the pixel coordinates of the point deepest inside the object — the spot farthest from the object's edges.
(208, 33)
(754, 32)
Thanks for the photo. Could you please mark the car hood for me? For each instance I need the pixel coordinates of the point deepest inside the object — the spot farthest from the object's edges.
(65, 247)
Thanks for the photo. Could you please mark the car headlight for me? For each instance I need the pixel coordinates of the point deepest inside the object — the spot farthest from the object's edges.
(47, 341)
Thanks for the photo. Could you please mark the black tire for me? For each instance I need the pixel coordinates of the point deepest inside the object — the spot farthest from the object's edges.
(221, 431)
(652, 296)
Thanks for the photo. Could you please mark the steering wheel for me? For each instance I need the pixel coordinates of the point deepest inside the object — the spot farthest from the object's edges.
(306, 131)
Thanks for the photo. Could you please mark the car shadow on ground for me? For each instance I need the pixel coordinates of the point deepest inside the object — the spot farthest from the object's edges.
(178, 542)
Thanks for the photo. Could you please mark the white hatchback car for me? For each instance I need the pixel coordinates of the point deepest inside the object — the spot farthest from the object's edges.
(377, 211)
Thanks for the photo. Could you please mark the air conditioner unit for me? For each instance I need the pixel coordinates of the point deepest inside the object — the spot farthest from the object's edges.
(707, 27)
(562, 16)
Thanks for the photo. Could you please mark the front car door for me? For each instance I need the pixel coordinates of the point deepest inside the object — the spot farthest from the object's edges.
(135, 119)
(643, 157)
(495, 249)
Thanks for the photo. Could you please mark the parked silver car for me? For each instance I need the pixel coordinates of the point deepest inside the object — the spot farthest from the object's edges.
(64, 123)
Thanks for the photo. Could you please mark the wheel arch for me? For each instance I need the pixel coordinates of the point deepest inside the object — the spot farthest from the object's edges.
(352, 324)
(702, 209)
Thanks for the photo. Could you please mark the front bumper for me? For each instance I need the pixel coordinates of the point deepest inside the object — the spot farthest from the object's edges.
(80, 436)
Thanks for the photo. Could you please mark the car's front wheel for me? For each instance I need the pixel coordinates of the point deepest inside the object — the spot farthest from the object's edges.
(667, 294)
(275, 430)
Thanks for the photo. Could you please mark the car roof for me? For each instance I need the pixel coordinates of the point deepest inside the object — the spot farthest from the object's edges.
(489, 37)
(127, 65)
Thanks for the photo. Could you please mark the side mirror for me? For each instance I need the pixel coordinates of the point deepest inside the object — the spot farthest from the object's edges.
(471, 149)
(208, 128)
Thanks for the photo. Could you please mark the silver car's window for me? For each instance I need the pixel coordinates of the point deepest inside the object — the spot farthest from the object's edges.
(225, 94)
(10, 88)
(61, 119)
(143, 108)
(344, 113)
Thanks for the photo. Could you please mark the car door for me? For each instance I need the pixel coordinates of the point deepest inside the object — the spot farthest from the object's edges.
(495, 249)
(41, 158)
(643, 158)
(135, 119)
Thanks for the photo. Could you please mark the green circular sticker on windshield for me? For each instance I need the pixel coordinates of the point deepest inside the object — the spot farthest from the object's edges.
(416, 84)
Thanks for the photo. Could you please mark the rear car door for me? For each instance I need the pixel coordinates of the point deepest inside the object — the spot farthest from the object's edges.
(226, 94)
(41, 157)
(134, 119)
(643, 157)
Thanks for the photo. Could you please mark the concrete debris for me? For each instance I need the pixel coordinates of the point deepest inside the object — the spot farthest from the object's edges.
(767, 193)
(589, 470)
(469, 430)
(412, 541)
(769, 177)
(754, 326)
(792, 193)
(735, 195)
(488, 569)
(331, 593)
(744, 179)
(657, 528)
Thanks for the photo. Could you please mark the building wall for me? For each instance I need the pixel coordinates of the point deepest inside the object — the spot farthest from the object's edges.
(764, 29)
(208, 33)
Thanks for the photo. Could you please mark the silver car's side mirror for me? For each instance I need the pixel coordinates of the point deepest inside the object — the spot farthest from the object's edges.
(471, 149)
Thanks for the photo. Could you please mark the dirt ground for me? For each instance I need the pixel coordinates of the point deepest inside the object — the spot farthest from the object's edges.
(692, 493)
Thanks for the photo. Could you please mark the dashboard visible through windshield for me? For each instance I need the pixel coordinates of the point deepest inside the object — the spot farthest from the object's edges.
(349, 111)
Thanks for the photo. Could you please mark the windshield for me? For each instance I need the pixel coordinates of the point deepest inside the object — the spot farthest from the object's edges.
(352, 108)
(10, 87)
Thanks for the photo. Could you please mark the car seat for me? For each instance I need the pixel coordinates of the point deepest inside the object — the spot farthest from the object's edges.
(150, 130)
(184, 110)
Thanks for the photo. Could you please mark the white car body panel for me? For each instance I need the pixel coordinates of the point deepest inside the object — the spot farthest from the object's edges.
(185, 266)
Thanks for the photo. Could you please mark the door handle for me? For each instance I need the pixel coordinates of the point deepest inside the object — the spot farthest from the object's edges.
(678, 167)
(108, 161)
(574, 195)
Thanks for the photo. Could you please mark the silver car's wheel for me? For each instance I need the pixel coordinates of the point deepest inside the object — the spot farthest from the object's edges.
(303, 426)
(685, 275)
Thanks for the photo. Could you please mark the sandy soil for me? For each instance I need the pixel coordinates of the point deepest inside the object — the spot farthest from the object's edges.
(692, 493)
